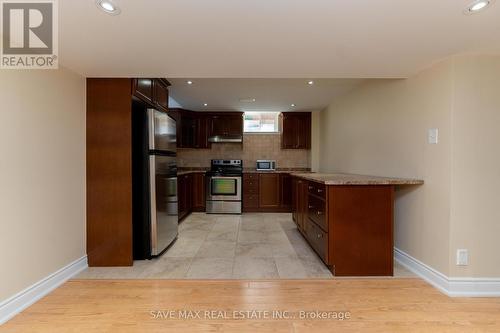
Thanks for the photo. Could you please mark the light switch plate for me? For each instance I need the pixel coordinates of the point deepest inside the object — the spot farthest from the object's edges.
(462, 257)
(433, 136)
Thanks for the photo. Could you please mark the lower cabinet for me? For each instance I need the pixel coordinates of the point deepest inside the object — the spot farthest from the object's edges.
(269, 185)
(184, 195)
(190, 194)
(198, 190)
(267, 192)
(300, 203)
(350, 227)
(251, 192)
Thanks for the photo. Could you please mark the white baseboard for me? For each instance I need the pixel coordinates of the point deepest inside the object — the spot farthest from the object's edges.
(453, 287)
(17, 303)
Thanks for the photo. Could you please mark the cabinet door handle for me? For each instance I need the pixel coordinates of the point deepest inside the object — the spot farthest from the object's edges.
(310, 187)
(310, 207)
(320, 235)
(319, 212)
(320, 191)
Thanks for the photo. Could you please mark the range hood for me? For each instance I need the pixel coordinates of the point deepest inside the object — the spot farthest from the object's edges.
(226, 139)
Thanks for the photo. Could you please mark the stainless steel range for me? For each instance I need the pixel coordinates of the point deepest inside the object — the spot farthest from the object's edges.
(224, 187)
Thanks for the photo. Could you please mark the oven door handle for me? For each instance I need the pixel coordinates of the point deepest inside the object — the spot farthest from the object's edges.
(225, 177)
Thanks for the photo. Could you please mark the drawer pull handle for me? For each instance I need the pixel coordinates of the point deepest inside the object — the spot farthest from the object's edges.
(310, 207)
(320, 235)
(319, 212)
(320, 191)
(310, 187)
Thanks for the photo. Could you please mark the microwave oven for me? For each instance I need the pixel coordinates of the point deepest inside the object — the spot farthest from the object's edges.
(266, 165)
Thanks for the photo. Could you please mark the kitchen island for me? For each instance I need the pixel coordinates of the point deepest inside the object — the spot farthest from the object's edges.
(348, 220)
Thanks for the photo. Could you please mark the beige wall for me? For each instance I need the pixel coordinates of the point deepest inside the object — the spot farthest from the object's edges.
(381, 128)
(315, 141)
(475, 213)
(42, 175)
(255, 147)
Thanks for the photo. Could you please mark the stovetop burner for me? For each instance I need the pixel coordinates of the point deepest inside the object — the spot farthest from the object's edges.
(226, 168)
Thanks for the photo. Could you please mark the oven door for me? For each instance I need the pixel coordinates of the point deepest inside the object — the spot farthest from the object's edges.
(224, 188)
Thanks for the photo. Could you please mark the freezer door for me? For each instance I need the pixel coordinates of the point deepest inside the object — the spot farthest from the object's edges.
(163, 187)
(162, 131)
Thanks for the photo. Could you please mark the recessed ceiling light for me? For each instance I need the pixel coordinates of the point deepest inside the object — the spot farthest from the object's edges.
(189, 82)
(205, 104)
(108, 7)
(292, 105)
(311, 82)
(478, 6)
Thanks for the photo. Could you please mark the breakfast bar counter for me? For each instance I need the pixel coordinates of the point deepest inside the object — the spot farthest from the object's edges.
(352, 179)
(348, 220)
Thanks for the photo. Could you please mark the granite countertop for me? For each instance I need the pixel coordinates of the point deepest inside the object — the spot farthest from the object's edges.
(279, 170)
(186, 172)
(351, 179)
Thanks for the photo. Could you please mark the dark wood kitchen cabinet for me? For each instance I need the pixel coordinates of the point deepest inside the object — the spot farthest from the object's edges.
(202, 131)
(160, 97)
(250, 192)
(190, 193)
(269, 185)
(267, 192)
(286, 191)
(152, 91)
(226, 123)
(350, 227)
(184, 195)
(198, 190)
(299, 203)
(296, 130)
(110, 103)
(192, 128)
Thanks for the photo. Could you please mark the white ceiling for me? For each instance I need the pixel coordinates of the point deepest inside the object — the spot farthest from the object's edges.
(269, 94)
(270, 38)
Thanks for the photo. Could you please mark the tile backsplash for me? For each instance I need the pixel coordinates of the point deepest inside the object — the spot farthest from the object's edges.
(255, 147)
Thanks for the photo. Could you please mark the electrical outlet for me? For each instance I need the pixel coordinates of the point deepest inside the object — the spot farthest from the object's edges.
(433, 136)
(462, 257)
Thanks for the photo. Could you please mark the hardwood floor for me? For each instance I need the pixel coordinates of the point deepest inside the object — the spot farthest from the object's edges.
(374, 305)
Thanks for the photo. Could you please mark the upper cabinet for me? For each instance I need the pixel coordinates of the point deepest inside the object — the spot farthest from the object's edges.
(226, 124)
(161, 94)
(192, 128)
(152, 91)
(202, 131)
(195, 128)
(296, 130)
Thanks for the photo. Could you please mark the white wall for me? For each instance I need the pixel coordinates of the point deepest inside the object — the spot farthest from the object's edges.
(42, 175)
(380, 128)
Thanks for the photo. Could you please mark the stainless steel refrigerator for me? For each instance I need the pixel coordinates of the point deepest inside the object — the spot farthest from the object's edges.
(154, 174)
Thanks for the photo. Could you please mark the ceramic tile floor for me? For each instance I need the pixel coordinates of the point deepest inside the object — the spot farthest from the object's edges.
(248, 246)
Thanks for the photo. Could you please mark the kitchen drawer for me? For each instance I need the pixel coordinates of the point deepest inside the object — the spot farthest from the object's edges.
(316, 210)
(251, 183)
(317, 238)
(317, 189)
(250, 189)
(253, 176)
(250, 201)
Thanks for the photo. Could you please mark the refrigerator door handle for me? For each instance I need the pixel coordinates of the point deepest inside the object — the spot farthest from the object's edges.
(152, 201)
